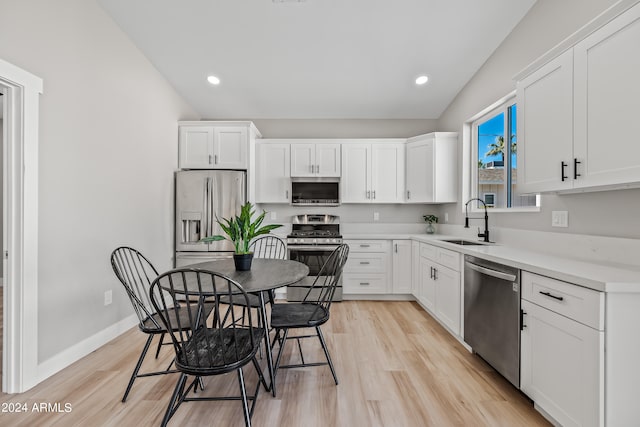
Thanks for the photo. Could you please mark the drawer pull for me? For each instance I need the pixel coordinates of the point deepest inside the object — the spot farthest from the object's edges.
(365, 246)
(364, 283)
(547, 294)
(364, 263)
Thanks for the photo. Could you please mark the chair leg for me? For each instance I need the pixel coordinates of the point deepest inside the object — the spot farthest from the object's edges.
(134, 375)
(243, 392)
(160, 345)
(175, 399)
(284, 340)
(260, 374)
(326, 353)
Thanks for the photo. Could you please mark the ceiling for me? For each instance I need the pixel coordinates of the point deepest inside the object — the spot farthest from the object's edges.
(317, 59)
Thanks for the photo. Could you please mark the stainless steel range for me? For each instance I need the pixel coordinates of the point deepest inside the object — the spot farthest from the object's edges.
(313, 237)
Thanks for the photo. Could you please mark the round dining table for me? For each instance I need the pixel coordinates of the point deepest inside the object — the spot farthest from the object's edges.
(265, 275)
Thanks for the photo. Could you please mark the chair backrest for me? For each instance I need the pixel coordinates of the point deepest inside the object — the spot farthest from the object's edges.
(268, 246)
(324, 286)
(136, 273)
(188, 303)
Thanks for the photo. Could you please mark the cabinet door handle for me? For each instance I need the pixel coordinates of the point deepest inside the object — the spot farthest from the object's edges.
(435, 273)
(395, 248)
(311, 168)
(562, 166)
(374, 194)
(522, 314)
(317, 168)
(575, 168)
(431, 272)
(368, 194)
(364, 263)
(215, 159)
(550, 295)
(286, 194)
(408, 194)
(210, 159)
(364, 283)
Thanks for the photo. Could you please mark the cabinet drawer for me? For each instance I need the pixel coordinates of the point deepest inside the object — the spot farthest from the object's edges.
(366, 263)
(428, 251)
(449, 259)
(575, 302)
(368, 245)
(358, 283)
(442, 256)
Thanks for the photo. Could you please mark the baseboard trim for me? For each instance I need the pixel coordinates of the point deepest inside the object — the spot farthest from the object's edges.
(76, 352)
(378, 297)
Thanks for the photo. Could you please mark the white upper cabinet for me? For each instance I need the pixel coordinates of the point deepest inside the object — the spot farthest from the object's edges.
(577, 121)
(545, 127)
(315, 159)
(215, 145)
(607, 102)
(431, 168)
(372, 172)
(273, 177)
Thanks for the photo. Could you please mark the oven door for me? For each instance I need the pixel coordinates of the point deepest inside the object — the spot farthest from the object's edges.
(314, 257)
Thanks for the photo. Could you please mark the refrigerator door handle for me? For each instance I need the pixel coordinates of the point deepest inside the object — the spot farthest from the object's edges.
(206, 207)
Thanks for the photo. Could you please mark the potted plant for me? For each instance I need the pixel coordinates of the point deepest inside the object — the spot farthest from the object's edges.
(241, 230)
(430, 220)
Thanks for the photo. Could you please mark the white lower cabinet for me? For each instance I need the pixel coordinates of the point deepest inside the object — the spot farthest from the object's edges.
(402, 271)
(561, 366)
(368, 268)
(562, 357)
(439, 287)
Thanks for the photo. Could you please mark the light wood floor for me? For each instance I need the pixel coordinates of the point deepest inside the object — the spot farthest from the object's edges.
(396, 366)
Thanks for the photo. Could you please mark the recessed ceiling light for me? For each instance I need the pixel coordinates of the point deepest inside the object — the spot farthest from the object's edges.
(213, 80)
(422, 80)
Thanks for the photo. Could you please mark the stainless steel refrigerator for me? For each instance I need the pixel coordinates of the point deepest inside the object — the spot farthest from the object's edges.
(201, 197)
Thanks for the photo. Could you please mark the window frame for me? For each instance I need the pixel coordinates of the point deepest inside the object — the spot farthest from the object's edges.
(470, 156)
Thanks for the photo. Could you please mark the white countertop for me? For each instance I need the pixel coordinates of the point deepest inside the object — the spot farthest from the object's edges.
(604, 277)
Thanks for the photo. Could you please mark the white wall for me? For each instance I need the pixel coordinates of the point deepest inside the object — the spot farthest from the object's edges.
(108, 132)
(612, 213)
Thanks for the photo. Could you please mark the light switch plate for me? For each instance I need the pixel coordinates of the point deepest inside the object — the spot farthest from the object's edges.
(376, 216)
(559, 218)
(274, 215)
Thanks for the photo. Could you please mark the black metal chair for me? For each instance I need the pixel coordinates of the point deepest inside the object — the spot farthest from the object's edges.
(136, 273)
(269, 247)
(312, 312)
(204, 343)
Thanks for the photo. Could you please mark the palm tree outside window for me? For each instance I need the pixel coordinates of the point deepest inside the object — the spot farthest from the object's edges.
(496, 173)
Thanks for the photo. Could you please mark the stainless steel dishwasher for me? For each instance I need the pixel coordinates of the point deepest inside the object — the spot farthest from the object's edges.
(492, 314)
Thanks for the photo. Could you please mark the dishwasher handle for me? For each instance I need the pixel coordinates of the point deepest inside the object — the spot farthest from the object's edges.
(491, 272)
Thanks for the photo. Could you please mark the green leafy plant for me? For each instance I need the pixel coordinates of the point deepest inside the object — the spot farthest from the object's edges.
(430, 219)
(240, 229)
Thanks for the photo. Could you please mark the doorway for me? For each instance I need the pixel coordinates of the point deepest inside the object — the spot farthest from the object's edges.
(20, 127)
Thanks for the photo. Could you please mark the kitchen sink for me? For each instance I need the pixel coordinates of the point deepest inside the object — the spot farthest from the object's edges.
(463, 242)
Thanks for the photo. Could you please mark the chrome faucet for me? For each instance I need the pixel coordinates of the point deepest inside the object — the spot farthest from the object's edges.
(485, 235)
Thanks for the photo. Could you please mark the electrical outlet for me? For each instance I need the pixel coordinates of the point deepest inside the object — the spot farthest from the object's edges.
(108, 297)
(559, 218)
(274, 215)
(446, 217)
(376, 216)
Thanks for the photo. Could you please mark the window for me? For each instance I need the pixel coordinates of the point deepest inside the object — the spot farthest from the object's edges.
(494, 166)
(489, 199)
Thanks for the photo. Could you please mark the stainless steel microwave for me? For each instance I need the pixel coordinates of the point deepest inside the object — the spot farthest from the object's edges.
(315, 191)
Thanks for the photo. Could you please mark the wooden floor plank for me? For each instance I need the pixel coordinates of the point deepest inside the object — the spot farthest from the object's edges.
(396, 366)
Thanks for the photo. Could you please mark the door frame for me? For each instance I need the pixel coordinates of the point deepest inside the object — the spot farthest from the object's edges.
(20, 222)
